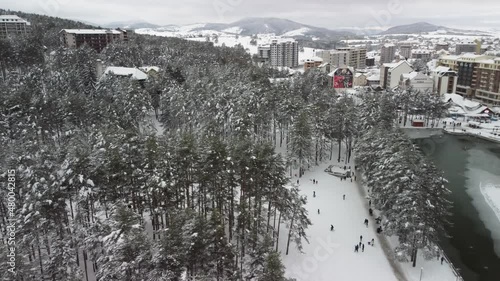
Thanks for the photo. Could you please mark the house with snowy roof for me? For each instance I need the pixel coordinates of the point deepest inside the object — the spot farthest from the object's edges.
(418, 81)
(460, 106)
(390, 73)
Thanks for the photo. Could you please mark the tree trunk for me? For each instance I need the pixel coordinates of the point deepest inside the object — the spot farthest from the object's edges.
(278, 233)
(340, 149)
(289, 234)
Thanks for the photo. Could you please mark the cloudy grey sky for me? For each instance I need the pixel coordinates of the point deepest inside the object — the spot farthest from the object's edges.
(324, 13)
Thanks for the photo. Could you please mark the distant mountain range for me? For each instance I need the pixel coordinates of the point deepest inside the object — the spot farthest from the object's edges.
(424, 27)
(130, 25)
(250, 26)
(288, 28)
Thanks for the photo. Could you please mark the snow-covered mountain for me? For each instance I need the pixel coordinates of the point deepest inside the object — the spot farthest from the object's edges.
(250, 26)
(130, 24)
(425, 27)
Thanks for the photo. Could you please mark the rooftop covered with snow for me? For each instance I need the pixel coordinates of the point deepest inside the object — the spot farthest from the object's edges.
(134, 73)
(92, 31)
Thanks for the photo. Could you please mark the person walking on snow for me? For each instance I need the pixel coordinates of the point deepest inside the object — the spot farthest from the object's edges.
(344, 196)
(331, 227)
(363, 247)
(360, 238)
(318, 211)
(297, 181)
(313, 181)
(442, 259)
(314, 193)
(366, 222)
(356, 248)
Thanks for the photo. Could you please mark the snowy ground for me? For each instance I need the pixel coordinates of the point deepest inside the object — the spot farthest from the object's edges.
(330, 254)
(488, 131)
(492, 195)
(229, 40)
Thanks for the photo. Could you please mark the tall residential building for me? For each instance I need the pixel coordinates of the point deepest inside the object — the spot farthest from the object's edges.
(469, 47)
(445, 80)
(488, 75)
(281, 52)
(405, 51)
(97, 39)
(12, 25)
(356, 57)
(478, 76)
(387, 53)
(424, 55)
(335, 58)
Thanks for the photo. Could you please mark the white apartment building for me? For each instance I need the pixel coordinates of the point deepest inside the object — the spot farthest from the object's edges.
(12, 25)
(334, 57)
(387, 53)
(416, 80)
(390, 73)
(405, 51)
(280, 53)
(356, 57)
(445, 80)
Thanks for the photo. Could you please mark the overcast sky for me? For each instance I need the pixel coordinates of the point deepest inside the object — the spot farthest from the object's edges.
(324, 13)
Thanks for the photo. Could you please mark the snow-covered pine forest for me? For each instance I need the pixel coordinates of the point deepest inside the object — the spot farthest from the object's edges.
(205, 200)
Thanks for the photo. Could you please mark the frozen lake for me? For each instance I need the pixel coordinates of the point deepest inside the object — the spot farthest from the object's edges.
(473, 168)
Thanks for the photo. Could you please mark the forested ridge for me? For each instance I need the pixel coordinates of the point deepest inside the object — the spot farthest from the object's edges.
(205, 200)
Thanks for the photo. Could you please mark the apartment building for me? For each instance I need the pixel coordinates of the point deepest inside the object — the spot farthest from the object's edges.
(405, 51)
(488, 88)
(478, 76)
(12, 25)
(280, 53)
(356, 57)
(468, 47)
(387, 53)
(417, 81)
(424, 55)
(312, 63)
(390, 73)
(445, 80)
(442, 46)
(97, 39)
(334, 57)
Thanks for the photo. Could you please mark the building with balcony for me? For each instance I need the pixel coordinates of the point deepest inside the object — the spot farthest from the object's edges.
(314, 62)
(445, 80)
(334, 57)
(387, 53)
(405, 51)
(12, 25)
(356, 57)
(280, 53)
(390, 73)
(478, 76)
(97, 39)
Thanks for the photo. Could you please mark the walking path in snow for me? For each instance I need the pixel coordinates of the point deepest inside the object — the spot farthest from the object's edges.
(330, 254)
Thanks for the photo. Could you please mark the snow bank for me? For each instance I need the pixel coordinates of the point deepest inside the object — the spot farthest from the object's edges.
(491, 194)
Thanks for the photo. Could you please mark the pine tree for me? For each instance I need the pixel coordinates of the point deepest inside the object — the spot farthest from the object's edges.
(274, 269)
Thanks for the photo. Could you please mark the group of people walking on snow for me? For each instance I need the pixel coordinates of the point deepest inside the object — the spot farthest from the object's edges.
(361, 245)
